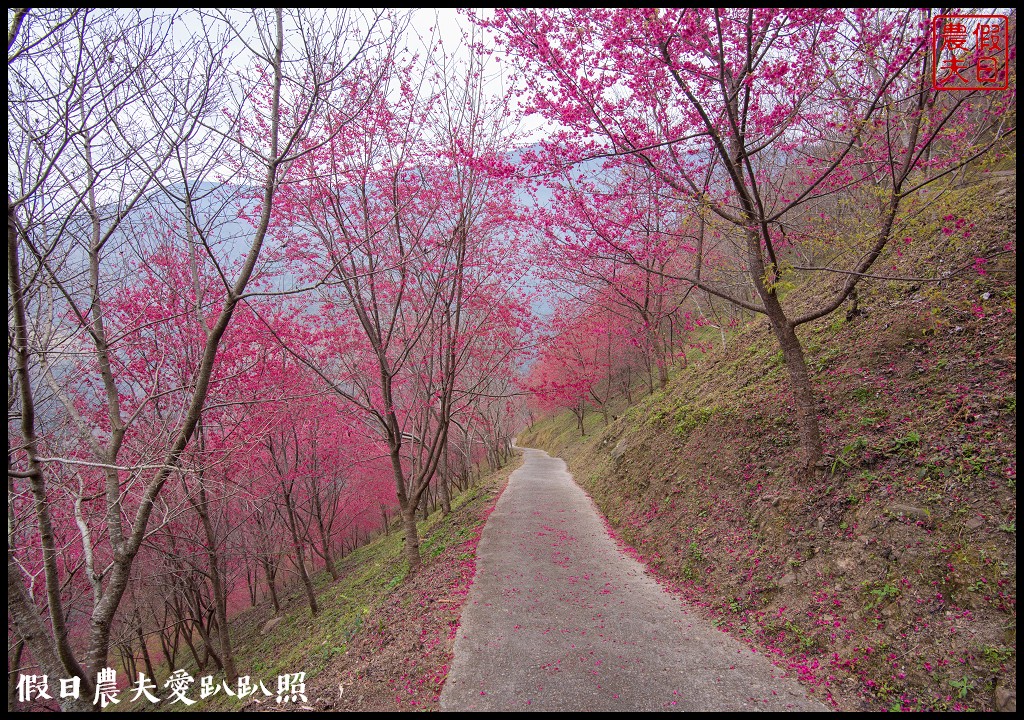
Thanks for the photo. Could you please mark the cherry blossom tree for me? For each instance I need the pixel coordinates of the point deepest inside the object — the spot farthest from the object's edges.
(755, 117)
(109, 112)
(403, 227)
(611, 238)
(573, 368)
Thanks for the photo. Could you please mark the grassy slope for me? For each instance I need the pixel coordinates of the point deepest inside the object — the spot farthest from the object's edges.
(385, 638)
(890, 582)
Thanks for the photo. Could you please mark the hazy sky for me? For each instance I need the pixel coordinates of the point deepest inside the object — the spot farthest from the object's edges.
(450, 25)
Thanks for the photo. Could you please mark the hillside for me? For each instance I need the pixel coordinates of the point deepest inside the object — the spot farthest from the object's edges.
(889, 581)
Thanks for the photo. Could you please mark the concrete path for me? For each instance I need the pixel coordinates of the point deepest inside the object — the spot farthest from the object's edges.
(559, 618)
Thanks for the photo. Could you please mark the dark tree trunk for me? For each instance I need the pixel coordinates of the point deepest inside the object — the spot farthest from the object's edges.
(580, 411)
(270, 570)
(145, 650)
(250, 581)
(187, 637)
(793, 355)
(307, 582)
(169, 645)
(412, 540)
(442, 479)
(220, 598)
(803, 392)
(13, 668)
(325, 535)
(127, 658)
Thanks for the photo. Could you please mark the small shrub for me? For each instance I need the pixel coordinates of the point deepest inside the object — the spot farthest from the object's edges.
(862, 393)
(911, 440)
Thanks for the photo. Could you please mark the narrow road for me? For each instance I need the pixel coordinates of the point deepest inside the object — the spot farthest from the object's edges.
(559, 618)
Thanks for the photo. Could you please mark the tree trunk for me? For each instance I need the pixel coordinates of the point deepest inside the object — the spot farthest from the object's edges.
(300, 556)
(205, 625)
(13, 668)
(220, 598)
(803, 393)
(271, 572)
(127, 658)
(412, 539)
(325, 547)
(250, 581)
(307, 583)
(792, 351)
(325, 539)
(169, 646)
(34, 634)
(145, 651)
(446, 501)
(442, 479)
(186, 635)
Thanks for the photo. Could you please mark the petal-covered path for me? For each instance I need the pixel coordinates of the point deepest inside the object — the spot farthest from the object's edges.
(559, 618)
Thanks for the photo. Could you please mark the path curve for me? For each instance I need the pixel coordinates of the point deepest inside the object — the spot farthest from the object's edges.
(559, 618)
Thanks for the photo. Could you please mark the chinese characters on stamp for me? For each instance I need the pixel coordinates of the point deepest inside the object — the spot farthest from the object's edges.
(970, 52)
